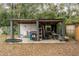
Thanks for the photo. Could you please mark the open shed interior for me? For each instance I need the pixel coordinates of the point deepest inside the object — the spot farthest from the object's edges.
(47, 30)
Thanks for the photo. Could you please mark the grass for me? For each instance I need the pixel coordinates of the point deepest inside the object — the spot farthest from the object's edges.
(2, 39)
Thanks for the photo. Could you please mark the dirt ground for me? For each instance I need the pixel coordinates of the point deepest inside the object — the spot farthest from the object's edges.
(40, 49)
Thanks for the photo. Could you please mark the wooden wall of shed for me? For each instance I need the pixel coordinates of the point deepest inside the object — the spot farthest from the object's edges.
(77, 32)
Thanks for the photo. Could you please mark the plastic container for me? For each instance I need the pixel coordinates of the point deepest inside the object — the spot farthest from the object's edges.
(30, 35)
(33, 35)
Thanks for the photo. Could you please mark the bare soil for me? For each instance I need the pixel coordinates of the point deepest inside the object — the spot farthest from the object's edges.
(39, 49)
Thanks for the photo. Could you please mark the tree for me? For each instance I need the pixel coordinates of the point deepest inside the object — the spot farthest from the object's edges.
(38, 10)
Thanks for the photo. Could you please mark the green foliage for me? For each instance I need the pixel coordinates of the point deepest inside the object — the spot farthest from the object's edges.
(5, 30)
(39, 10)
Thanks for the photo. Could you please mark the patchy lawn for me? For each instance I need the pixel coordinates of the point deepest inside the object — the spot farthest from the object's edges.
(4, 37)
(69, 48)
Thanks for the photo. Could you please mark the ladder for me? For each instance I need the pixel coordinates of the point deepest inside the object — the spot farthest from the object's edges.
(40, 33)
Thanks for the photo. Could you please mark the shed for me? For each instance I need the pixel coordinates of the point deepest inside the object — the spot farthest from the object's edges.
(72, 30)
(36, 24)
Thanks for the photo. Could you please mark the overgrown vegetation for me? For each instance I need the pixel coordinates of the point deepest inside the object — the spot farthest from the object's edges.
(41, 10)
(67, 11)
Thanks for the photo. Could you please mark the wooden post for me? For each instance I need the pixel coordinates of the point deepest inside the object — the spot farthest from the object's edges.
(19, 30)
(37, 23)
(44, 30)
(11, 29)
(63, 29)
(57, 28)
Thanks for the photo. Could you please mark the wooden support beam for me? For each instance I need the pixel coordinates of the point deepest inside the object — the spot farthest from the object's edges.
(37, 23)
(19, 30)
(63, 29)
(11, 29)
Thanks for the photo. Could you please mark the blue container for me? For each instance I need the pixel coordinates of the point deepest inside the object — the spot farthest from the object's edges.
(30, 35)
